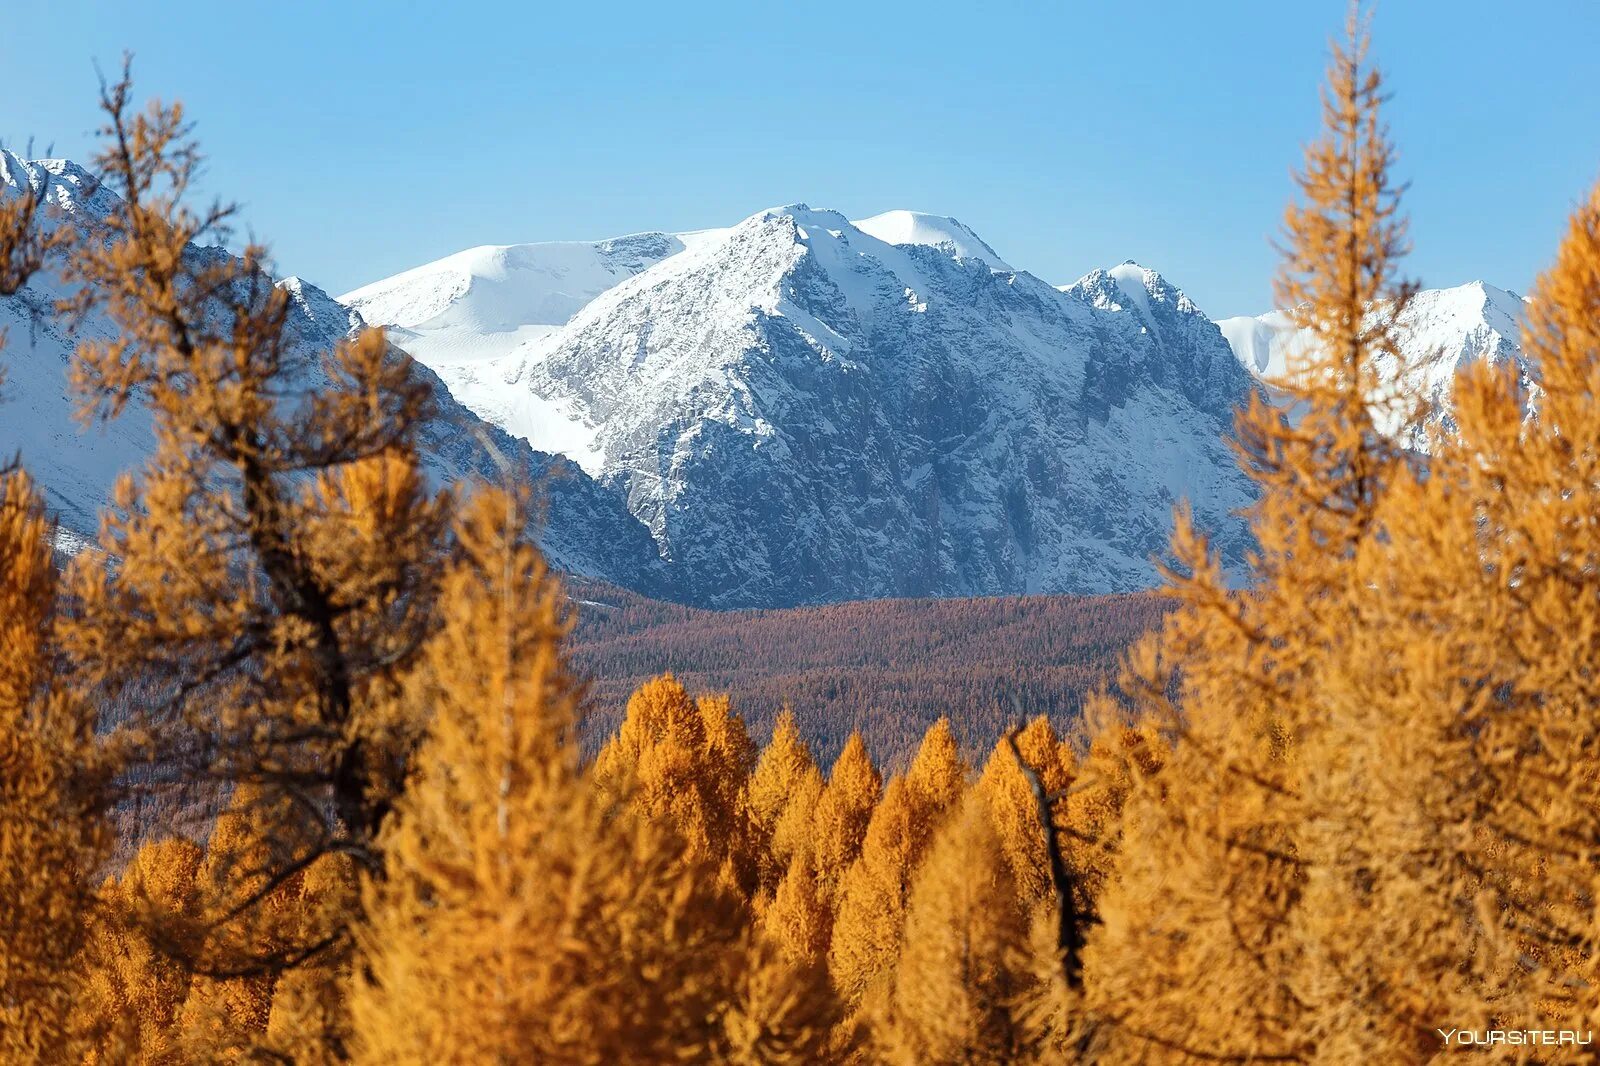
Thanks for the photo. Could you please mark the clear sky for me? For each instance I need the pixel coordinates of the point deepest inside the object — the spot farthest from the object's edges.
(364, 138)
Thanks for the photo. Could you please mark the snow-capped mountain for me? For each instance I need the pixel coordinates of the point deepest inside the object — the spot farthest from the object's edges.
(801, 408)
(795, 409)
(584, 529)
(1441, 332)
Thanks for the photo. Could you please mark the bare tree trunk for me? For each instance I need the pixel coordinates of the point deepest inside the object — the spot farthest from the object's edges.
(1069, 920)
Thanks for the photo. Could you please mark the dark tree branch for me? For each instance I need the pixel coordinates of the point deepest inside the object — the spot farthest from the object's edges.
(1069, 920)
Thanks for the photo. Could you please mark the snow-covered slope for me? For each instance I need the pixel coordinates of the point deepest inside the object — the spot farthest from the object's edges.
(483, 302)
(934, 231)
(800, 410)
(585, 529)
(1442, 331)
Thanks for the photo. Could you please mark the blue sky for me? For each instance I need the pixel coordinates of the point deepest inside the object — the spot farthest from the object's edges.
(366, 138)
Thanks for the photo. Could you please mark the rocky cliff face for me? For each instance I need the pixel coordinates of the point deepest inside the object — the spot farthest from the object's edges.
(800, 411)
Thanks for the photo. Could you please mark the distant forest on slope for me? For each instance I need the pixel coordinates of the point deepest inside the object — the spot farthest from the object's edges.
(888, 668)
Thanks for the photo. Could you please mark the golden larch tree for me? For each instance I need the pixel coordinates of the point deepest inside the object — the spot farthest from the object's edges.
(275, 557)
(53, 831)
(938, 774)
(525, 916)
(872, 897)
(780, 1011)
(842, 813)
(794, 836)
(732, 757)
(1205, 945)
(670, 758)
(1468, 798)
(866, 928)
(136, 988)
(310, 1018)
(246, 931)
(1119, 755)
(797, 918)
(1013, 809)
(785, 779)
(963, 971)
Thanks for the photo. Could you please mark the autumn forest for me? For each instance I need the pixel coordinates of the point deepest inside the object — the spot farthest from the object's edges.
(309, 760)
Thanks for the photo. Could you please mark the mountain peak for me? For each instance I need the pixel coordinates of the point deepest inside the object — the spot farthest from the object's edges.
(64, 169)
(810, 409)
(903, 227)
(1128, 286)
(1474, 302)
(803, 215)
(1135, 282)
(483, 302)
(60, 183)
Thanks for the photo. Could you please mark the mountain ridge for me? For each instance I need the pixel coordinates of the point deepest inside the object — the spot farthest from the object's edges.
(1441, 332)
(798, 408)
(800, 411)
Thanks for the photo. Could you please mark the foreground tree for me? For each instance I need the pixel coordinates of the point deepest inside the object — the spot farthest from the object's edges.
(524, 916)
(963, 972)
(1219, 848)
(1469, 825)
(269, 576)
(53, 831)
